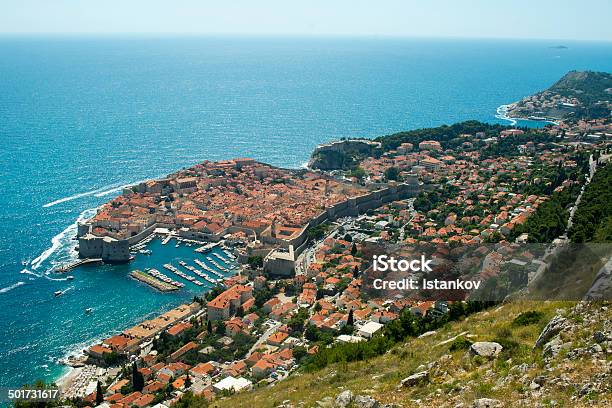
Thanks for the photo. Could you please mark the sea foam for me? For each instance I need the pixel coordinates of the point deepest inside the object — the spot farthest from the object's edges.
(62, 243)
(502, 113)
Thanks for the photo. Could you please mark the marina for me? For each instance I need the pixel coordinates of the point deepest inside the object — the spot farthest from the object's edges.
(153, 281)
(160, 256)
(183, 275)
(207, 248)
(199, 273)
(208, 269)
(157, 274)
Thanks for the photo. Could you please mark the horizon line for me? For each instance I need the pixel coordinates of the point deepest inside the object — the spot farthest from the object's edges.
(169, 34)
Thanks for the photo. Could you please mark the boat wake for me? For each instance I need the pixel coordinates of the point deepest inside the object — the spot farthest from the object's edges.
(100, 192)
(29, 272)
(110, 191)
(116, 189)
(56, 279)
(9, 288)
(76, 196)
(62, 245)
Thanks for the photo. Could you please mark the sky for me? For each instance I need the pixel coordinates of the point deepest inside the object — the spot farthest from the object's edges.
(524, 19)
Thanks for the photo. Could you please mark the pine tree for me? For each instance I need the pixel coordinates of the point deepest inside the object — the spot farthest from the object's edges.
(99, 394)
(351, 320)
(137, 378)
(209, 327)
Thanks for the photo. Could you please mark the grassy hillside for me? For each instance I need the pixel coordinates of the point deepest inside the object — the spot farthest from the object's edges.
(575, 377)
(587, 86)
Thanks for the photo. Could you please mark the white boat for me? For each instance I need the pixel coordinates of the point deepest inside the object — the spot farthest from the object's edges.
(58, 293)
(69, 277)
(88, 310)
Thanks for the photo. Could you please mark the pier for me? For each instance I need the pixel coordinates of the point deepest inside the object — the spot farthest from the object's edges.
(207, 247)
(152, 281)
(76, 264)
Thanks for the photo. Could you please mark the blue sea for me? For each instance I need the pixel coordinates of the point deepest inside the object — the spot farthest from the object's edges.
(81, 117)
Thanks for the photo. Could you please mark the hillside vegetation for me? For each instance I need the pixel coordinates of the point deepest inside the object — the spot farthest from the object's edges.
(570, 367)
(448, 136)
(593, 219)
(586, 86)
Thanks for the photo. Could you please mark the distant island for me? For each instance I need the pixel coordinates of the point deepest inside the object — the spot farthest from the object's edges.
(577, 95)
(559, 47)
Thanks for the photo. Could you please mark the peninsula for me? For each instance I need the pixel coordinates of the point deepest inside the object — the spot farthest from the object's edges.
(578, 95)
(242, 200)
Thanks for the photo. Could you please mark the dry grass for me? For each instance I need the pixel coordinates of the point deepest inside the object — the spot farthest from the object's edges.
(457, 379)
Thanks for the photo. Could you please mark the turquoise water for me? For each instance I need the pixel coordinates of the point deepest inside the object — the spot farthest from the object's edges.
(81, 117)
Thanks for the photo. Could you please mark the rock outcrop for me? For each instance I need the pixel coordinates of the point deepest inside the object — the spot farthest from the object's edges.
(552, 329)
(486, 349)
(414, 379)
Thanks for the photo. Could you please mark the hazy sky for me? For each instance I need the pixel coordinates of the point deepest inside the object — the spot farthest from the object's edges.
(547, 19)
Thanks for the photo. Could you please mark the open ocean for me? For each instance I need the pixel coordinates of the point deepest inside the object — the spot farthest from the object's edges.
(79, 118)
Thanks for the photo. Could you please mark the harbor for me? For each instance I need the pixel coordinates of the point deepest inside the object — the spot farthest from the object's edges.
(145, 278)
(190, 264)
(180, 263)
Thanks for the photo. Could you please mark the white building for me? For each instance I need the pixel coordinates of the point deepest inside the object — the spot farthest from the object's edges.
(368, 329)
(346, 338)
(231, 383)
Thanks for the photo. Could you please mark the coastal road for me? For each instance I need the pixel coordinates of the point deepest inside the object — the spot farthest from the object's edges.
(402, 232)
(308, 255)
(264, 337)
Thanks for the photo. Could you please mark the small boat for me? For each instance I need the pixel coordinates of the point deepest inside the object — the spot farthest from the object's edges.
(88, 310)
(69, 277)
(58, 293)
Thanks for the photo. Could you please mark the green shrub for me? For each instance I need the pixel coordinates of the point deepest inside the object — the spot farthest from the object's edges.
(509, 346)
(460, 343)
(527, 318)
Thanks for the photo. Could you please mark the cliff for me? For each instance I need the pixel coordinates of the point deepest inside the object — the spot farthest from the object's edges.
(341, 154)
